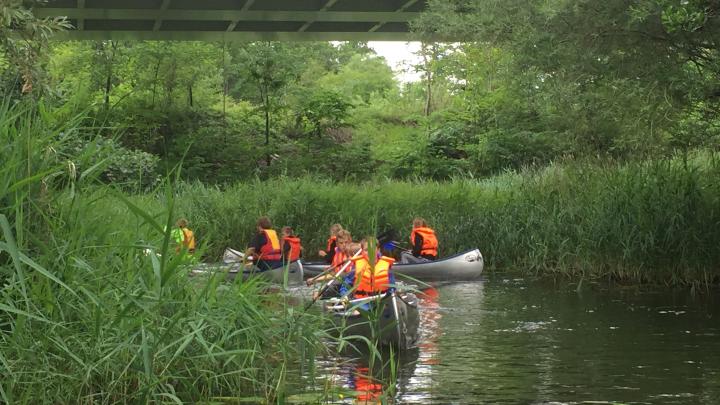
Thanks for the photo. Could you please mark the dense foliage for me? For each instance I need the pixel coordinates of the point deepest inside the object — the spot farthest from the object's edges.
(577, 137)
(88, 311)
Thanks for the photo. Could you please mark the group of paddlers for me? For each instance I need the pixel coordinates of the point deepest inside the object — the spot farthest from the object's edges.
(363, 267)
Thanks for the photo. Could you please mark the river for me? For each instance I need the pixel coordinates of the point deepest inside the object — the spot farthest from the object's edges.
(516, 340)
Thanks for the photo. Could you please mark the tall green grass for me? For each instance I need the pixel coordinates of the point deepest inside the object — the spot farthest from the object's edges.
(87, 317)
(649, 221)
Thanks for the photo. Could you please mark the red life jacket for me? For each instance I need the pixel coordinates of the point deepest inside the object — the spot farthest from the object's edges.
(372, 280)
(295, 247)
(270, 251)
(430, 242)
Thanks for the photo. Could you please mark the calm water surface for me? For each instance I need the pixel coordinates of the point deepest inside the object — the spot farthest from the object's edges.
(509, 340)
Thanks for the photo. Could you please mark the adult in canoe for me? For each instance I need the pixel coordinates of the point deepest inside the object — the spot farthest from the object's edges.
(329, 253)
(265, 247)
(424, 244)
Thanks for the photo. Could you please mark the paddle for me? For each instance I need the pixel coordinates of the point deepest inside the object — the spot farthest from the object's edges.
(329, 283)
(311, 280)
(235, 253)
(396, 244)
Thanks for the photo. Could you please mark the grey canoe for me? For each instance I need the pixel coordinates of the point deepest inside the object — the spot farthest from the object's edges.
(465, 266)
(392, 319)
(293, 272)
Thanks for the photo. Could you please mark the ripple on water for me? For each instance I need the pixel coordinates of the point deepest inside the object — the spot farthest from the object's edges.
(526, 327)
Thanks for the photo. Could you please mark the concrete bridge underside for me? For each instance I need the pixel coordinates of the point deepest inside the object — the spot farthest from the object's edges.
(237, 20)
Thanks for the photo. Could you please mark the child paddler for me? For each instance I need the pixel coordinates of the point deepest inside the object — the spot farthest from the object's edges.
(183, 237)
(329, 253)
(424, 243)
(291, 245)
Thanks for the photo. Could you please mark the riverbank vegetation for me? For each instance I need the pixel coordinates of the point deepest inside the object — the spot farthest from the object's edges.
(88, 316)
(646, 221)
(535, 122)
(584, 142)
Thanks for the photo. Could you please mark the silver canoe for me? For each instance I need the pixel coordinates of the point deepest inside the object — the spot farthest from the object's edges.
(390, 320)
(465, 266)
(293, 272)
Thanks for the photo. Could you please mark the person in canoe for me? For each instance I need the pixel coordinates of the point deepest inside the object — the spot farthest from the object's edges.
(330, 250)
(183, 237)
(424, 244)
(265, 247)
(340, 258)
(371, 277)
(291, 246)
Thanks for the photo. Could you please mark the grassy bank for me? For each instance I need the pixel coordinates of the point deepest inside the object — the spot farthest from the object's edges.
(651, 221)
(86, 317)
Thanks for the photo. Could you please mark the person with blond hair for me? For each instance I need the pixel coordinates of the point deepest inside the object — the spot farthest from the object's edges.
(183, 237)
(329, 252)
(340, 257)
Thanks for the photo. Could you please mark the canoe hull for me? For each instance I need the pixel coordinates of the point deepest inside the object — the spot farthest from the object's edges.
(234, 270)
(392, 321)
(465, 266)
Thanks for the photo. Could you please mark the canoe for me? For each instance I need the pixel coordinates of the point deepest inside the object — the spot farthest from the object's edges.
(391, 320)
(233, 270)
(465, 266)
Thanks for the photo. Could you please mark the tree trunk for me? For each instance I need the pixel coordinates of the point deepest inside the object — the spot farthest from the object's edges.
(428, 80)
(108, 84)
(157, 72)
(267, 126)
(190, 96)
(428, 98)
(108, 79)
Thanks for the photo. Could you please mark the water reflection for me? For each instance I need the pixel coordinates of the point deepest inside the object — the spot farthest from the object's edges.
(523, 341)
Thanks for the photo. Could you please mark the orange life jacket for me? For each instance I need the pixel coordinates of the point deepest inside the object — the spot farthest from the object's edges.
(295, 247)
(372, 280)
(330, 243)
(430, 242)
(271, 249)
(338, 260)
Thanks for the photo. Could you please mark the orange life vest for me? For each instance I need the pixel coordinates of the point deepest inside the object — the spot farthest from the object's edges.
(271, 249)
(372, 280)
(330, 243)
(295, 247)
(338, 260)
(430, 242)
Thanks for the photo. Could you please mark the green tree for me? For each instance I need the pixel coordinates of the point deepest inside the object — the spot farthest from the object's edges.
(361, 77)
(615, 75)
(23, 44)
(323, 110)
(270, 67)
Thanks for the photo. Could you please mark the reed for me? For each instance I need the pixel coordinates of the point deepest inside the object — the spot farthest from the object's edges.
(646, 221)
(87, 317)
